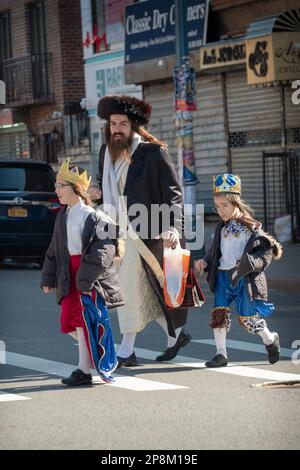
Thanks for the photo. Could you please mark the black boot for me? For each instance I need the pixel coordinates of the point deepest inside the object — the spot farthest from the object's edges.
(183, 339)
(218, 361)
(129, 361)
(273, 349)
(78, 378)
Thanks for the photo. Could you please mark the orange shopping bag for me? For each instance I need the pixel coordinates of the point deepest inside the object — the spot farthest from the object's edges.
(176, 269)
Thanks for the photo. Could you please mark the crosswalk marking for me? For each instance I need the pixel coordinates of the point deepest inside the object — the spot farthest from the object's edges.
(245, 346)
(11, 397)
(64, 370)
(244, 371)
(137, 384)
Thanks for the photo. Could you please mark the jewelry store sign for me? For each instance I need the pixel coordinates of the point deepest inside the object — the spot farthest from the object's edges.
(273, 58)
(223, 54)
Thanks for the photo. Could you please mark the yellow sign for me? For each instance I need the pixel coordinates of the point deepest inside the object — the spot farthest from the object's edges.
(223, 54)
(286, 48)
(260, 68)
(273, 58)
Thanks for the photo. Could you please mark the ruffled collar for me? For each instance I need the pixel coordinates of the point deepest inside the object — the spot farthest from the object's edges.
(235, 227)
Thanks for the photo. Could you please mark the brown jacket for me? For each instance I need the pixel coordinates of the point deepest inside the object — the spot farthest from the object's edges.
(97, 269)
(259, 251)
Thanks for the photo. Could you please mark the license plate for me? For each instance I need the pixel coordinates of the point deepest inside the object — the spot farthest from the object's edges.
(17, 212)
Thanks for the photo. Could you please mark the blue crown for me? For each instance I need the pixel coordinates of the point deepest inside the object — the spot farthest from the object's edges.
(227, 183)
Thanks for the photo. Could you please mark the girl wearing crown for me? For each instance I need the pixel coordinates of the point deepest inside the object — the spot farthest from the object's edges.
(236, 261)
(79, 264)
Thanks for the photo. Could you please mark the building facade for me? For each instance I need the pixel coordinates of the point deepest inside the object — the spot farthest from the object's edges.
(103, 49)
(243, 108)
(41, 63)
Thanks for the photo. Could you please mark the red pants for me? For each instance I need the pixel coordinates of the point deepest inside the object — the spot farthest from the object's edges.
(71, 308)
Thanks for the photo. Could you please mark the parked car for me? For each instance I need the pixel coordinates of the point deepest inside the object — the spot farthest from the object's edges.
(28, 207)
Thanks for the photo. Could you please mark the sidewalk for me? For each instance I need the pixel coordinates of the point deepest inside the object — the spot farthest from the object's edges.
(283, 274)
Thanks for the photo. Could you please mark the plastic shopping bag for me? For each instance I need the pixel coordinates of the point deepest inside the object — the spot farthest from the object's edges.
(176, 269)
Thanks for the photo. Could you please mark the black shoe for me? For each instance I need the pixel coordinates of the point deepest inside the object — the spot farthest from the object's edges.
(129, 361)
(273, 350)
(78, 378)
(218, 361)
(183, 339)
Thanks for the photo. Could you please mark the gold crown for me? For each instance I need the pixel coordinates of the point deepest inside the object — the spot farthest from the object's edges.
(72, 175)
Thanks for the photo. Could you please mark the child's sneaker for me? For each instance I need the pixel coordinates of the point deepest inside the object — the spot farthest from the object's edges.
(273, 349)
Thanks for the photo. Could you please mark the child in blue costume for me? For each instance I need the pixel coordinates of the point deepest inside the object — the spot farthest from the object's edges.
(236, 261)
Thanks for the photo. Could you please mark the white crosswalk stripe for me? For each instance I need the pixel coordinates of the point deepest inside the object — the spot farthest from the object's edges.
(245, 346)
(64, 370)
(11, 397)
(232, 369)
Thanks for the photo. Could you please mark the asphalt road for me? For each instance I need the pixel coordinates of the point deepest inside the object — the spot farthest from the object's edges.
(178, 405)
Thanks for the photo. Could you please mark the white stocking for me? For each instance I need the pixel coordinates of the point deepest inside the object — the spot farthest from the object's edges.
(266, 336)
(161, 320)
(220, 339)
(127, 345)
(84, 358)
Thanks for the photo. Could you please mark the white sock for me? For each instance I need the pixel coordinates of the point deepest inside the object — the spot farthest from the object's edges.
(220, 339)
(161, 320)
(74, 334)
(266, 336)
(84, 358)
(127, 345)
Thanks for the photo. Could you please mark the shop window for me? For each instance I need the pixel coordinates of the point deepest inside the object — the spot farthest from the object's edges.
(37, 28)
(108, 18)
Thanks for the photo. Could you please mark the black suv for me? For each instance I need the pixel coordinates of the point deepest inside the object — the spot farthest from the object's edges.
(28, 207)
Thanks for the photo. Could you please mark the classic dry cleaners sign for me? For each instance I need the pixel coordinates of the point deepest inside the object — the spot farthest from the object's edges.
(150, 28)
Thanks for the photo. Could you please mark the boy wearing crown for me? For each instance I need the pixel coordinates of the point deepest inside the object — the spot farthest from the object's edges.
(79, 264)
(236, 261)
(135, 168)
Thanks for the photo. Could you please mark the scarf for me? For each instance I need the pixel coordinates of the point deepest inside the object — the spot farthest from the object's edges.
(111, 176)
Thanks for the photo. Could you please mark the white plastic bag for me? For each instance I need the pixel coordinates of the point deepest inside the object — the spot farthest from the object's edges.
(283, 229)
(176, 264)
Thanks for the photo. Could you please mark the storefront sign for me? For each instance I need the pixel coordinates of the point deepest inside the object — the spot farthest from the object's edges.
(273, 58)
(150, 28)
(286, 48)
(224, 54)
(105, 78)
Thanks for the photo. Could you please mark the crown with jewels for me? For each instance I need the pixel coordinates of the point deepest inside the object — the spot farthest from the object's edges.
(227, 183)
(72, 175)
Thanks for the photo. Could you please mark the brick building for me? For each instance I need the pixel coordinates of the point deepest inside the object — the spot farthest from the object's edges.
(41, 63)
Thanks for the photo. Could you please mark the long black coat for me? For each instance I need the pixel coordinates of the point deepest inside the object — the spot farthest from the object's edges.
(97, 269)
(152, 179)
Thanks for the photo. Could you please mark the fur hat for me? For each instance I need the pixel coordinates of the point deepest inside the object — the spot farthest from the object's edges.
(137, 110)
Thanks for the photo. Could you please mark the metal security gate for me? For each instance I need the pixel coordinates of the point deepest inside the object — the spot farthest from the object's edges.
(281, 171)
(254, 126)
(210, 144)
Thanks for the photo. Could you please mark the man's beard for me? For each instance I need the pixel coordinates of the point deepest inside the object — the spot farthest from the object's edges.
(120, 147)
(121, 144)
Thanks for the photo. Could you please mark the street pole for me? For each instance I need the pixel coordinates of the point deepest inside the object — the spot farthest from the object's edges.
(184, 80)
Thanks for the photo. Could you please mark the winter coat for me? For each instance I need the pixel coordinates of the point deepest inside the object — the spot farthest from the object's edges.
(152, 180)
(97, 269)
(259, 251)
